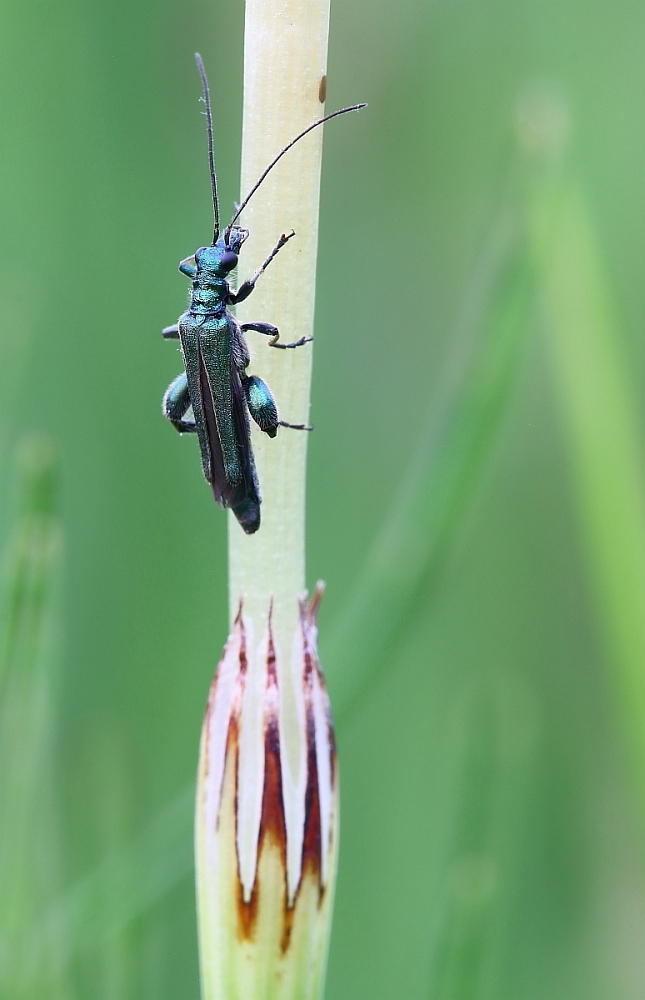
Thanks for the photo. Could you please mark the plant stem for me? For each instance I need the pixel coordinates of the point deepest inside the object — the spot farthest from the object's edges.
(284, 62)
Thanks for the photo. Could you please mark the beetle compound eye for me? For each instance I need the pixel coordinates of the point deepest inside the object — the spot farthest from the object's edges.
(228, 260)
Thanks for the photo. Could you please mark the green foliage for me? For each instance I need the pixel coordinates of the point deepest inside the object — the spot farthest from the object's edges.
(475, 496)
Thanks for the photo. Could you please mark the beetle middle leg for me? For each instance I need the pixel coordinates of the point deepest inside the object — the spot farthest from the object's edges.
(272, 331)
(176, 403)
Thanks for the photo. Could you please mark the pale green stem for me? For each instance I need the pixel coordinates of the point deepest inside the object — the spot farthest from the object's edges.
(285, 53)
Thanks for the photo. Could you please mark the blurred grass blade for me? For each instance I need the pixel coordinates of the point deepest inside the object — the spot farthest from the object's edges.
(29, 860)
(602, 432)
(155, 861)
(29, 569)
(411, 549)
(468, 899)
(476, 905)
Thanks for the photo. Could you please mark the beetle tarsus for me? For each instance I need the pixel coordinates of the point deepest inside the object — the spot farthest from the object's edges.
(295, 427)
(287, 347)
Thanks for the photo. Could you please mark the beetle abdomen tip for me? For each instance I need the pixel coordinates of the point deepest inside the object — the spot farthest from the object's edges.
(248, 514)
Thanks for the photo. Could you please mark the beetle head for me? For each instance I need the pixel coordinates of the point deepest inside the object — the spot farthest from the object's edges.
(222, 257)
(236, 238)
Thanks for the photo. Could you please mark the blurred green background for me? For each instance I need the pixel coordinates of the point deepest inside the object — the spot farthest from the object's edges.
(475, 494)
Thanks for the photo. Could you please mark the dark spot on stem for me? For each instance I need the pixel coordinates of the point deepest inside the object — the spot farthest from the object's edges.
(322, 89)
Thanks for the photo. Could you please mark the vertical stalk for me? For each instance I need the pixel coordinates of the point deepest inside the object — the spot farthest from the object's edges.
(267, 789)
(285, 53)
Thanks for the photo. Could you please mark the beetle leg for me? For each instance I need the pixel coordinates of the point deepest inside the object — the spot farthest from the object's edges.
(188, 268)
(247, 287)
(295, 427)
(266, 328)
(262, 407)
(171, 332)
(175, 404)
(261, 404)
(296, 343)
(272, 331)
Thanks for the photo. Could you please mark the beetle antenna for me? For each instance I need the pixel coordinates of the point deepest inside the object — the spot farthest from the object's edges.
(209, 130)
(285, 149)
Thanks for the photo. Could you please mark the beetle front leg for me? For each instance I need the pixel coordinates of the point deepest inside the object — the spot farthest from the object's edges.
(175, 404)
(247, 287)
(188, 267)
(272, 331)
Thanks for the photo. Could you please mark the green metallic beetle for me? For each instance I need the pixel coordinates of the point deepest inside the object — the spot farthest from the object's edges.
(214, 383)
